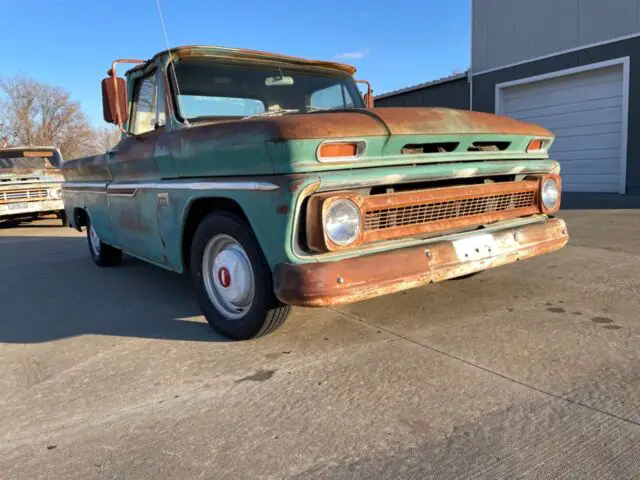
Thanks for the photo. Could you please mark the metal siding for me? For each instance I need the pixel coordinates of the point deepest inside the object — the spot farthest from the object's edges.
(484, 89)
(454, 94)
(584, 111)
(511, 31)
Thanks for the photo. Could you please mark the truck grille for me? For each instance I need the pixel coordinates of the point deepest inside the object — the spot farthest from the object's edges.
(429, 212)
(24, 195)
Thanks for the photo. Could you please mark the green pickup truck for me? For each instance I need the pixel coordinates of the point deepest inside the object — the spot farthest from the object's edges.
(273, 182)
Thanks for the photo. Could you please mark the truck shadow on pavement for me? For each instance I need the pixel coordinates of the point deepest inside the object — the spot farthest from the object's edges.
(52, 290)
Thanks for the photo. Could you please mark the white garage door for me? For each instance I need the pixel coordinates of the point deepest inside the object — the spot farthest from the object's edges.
(585, 111)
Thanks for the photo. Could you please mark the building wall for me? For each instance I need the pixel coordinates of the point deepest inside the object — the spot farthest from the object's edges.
(453, 94)
(484, 88)
(510, 31)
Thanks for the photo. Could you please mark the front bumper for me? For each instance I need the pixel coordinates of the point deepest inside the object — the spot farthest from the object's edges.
(26, 208)
(359, 278)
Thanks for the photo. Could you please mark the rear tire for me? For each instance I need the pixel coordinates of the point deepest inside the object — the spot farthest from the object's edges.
(232, 279)
(102, 254)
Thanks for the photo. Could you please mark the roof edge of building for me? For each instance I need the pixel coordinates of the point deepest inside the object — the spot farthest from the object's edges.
(432, 83)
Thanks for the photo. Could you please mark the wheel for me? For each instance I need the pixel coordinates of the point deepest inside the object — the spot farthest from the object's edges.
(63, 218)
(102, 254)
(232, 279)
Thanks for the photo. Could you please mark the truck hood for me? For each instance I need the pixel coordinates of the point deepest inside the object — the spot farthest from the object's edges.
(397, 121)
(288, 143)
(362, 123)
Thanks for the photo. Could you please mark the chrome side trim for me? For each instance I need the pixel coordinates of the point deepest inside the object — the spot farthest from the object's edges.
(130, 189)
(85, 187)
(180, 185)
(121, 191)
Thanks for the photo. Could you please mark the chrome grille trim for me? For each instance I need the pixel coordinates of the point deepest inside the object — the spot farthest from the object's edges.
(424, 213)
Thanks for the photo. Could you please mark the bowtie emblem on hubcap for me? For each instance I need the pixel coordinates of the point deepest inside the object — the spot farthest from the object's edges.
(224, 277)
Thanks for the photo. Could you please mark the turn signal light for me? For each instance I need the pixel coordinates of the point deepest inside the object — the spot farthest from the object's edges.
(536, 145)
(339, 151)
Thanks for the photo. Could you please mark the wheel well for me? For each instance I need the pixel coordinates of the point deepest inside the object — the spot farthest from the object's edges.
(199, 209)
(80, 217)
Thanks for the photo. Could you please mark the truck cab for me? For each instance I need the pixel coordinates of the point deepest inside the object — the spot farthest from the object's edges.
(272, 181)
(30, 183)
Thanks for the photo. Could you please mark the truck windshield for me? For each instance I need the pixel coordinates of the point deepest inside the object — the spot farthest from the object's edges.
(211, 90)
(37, 159)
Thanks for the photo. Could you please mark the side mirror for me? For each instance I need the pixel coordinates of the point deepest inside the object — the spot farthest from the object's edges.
(368, 97)
(114, 101)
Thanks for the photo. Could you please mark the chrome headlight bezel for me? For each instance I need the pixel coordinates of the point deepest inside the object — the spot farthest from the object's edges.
(55, 193)
(550, 193)
(333, 225)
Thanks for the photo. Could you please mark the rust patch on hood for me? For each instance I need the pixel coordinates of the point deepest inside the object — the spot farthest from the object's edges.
(365, 123)
(413, 121)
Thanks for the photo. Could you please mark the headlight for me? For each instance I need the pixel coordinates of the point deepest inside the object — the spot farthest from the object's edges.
(342, 223)
(550, 194)
(55, 193)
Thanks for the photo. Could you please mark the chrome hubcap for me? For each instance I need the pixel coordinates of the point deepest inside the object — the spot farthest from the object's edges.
(95, 240)
(228, 276)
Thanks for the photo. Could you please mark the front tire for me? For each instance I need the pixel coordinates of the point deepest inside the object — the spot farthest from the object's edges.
(232, 279)
(102, 254)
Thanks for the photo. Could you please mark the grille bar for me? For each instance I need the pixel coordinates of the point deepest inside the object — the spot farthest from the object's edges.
(9, 196)
(435, 210)
(446, 210)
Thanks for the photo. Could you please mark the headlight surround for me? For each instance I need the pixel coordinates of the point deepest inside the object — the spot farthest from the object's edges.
(342, 222)
(55, 193)
(550, 194)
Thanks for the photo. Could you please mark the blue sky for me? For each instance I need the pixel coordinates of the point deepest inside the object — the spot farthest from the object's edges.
(393, 44)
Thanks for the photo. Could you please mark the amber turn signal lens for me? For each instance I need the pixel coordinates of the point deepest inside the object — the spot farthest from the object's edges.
(333, 150)
(535, 145)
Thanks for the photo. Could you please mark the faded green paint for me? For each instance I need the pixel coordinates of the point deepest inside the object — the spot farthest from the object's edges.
(249, 151)
(297, 156)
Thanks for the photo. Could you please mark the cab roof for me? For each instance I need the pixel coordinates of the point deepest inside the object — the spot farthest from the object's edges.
(243, 54)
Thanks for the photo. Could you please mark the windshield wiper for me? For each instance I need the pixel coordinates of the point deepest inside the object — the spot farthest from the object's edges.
(271, 113)
(317, 109)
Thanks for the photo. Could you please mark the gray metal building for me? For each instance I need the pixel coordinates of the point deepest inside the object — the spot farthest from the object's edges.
(571, 66)
(450, 92)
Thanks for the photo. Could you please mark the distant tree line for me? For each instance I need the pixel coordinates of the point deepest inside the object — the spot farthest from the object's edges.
(36, 114)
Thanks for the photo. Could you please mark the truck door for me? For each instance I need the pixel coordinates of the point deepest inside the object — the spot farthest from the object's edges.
(132, 198)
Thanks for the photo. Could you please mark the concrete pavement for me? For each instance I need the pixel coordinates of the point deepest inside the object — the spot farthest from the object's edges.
(529, 371)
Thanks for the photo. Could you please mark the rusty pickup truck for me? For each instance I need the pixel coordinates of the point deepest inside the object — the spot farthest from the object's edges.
(30, 184)
(273, 182)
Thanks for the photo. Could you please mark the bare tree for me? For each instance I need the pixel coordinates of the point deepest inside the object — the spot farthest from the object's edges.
(105, 138)
(33, 113)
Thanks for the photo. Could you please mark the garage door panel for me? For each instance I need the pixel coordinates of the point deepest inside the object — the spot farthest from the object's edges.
(586, 142)
(565, 97)
(569, 82)
(592, 154)
(580, 118)
(584, 111)
(572, 131)
(547, 111)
